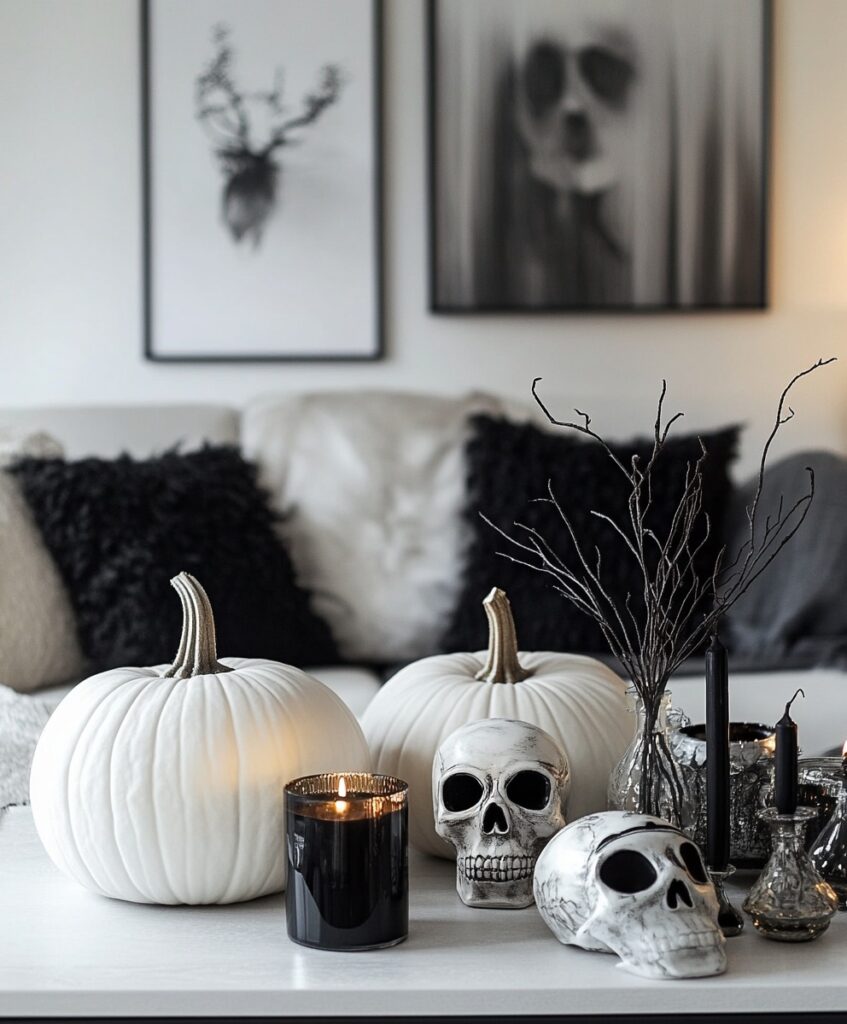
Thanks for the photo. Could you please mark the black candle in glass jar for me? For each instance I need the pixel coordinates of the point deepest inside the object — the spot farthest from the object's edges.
(348, 865)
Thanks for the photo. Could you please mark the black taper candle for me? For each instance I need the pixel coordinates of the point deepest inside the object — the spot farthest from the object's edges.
(717, 756)
(785, 782)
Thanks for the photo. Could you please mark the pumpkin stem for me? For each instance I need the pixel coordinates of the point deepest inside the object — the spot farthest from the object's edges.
(501, 664)
(197, 654)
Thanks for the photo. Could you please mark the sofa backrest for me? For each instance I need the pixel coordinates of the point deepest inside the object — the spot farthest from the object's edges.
(140, 430)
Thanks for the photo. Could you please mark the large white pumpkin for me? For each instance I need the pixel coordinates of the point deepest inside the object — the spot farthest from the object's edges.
(165, 785)
(578, 700)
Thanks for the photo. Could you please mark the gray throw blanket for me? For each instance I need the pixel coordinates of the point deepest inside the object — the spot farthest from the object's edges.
(21, 720)
(795, 614)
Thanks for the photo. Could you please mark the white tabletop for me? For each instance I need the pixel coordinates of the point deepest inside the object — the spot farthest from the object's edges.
(66, 952)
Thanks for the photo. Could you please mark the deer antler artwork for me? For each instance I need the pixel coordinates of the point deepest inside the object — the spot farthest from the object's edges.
(251, 168)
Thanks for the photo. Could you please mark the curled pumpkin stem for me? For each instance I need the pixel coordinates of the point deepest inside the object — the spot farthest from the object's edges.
(197, 654)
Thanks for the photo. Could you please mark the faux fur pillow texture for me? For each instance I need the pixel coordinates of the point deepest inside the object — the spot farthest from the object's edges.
(509, 465)
(373, 485)
(120, 529)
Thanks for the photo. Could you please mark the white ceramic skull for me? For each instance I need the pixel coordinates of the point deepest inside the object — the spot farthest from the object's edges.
(633, 885)
(499, 793)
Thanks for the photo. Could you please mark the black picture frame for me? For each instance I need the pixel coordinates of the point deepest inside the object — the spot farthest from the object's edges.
(759, 302)
(150, 353)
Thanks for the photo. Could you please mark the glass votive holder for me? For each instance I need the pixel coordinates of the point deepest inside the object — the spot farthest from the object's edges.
(789, 901)
(829, 850)
(348, 862)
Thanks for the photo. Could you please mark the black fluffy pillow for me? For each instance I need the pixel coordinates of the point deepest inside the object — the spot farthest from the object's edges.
(120, 529)
(509, 465)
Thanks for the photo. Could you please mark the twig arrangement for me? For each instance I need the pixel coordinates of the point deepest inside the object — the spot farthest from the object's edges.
(678, 608)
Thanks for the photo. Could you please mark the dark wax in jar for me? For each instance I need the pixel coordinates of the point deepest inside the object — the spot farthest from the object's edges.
(348, 884)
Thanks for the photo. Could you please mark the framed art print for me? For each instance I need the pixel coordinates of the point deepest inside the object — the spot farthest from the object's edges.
(262, 179)
(603, 155)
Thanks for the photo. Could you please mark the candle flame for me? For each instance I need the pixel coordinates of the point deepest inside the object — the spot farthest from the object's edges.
(341, 803)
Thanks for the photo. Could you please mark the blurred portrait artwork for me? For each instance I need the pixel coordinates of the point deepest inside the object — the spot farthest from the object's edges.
(598, 154)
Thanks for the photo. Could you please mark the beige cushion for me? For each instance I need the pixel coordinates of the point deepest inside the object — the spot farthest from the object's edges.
(38, 642)
(372, 484)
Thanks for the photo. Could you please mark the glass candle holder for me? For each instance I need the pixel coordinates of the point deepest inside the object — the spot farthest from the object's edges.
(790, 902)
(730, 921)
(829, 851)
(348, 862)
(819, 782)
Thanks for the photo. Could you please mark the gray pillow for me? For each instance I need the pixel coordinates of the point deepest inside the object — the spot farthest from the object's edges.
(795, 614)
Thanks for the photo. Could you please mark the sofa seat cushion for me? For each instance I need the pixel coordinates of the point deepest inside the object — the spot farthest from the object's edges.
(355, 686)
(371, 486)
(760, 697)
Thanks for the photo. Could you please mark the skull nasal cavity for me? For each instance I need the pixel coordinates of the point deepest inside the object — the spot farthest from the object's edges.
(678, 893)
(494, 820)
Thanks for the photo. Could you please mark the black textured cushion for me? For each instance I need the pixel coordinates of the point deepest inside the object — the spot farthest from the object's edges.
(119, 529)
(509, 465)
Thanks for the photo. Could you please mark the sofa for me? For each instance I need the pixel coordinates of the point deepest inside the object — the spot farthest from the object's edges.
(371, 484)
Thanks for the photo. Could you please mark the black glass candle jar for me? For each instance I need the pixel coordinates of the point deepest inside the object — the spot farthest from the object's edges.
(348, 862)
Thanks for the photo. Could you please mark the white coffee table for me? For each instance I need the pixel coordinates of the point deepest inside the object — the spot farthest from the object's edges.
(67, 953)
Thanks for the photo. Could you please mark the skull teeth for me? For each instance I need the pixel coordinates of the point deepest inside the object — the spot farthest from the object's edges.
(495, 869)
(688, 940)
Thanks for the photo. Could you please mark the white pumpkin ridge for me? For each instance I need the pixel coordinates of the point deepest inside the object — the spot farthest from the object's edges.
(577, 699)
(165, 784)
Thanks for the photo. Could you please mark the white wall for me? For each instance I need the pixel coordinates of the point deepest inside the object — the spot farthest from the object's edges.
(70, 245)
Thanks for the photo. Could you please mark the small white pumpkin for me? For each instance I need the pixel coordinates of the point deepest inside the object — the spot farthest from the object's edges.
(578, 700)
(165, 785)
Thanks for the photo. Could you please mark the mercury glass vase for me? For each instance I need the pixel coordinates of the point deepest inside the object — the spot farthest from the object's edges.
(790, 902)
(647, 778)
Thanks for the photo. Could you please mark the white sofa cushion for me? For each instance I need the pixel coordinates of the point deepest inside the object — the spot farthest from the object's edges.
(372, 486)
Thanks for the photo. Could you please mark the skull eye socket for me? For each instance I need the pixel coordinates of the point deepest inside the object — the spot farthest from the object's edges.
(607, 74)
(544, 77)
(627, 871)
(460, 792)
(529, 789)
(693, 862)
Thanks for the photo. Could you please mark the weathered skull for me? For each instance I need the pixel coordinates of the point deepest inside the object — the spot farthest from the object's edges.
(499, 791)
(633, 885)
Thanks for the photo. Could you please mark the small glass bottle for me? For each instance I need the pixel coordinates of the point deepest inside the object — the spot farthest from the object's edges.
(647, 778)
(829, 850)
(790, 902)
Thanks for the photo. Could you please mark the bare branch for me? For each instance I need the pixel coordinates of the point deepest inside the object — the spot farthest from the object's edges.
(679, 607)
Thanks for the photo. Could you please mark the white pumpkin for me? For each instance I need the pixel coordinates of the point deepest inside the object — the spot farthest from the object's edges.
(165, 785)
(578, 700)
